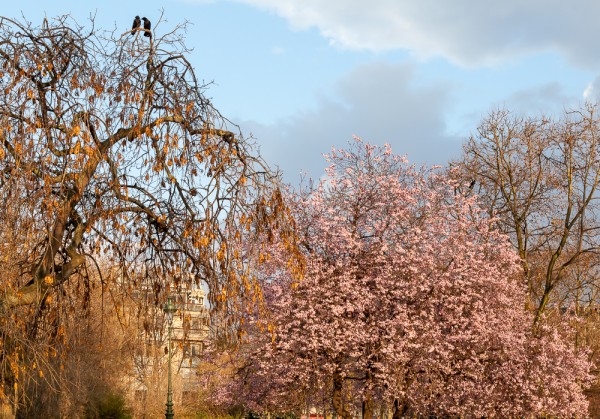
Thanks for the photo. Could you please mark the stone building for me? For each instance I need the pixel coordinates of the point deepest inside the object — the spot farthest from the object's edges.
(147, 384)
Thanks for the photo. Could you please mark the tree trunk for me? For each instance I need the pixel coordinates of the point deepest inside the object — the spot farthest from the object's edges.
(367, 408)
(338, 383)
(399, 409)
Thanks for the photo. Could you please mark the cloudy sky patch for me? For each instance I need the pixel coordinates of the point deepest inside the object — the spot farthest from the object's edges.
(303, 75)
(466, 32)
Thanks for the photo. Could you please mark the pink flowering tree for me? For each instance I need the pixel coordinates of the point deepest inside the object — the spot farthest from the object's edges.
(410, 301)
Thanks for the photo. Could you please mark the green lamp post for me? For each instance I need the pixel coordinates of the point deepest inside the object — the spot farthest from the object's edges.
(169, 308)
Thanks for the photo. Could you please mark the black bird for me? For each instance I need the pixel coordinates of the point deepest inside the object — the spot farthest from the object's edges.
(147, 26)
(136, 24)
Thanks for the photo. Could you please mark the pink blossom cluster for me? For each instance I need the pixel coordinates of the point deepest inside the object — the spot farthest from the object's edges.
(410, 299)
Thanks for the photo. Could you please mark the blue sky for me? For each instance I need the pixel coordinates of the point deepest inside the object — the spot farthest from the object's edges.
(303, 75)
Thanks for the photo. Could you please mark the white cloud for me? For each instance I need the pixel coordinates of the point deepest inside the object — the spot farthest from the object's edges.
(592, 91)
(466, 32)
(589, 90)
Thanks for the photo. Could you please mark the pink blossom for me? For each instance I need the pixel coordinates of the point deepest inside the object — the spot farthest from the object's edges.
(409, 296)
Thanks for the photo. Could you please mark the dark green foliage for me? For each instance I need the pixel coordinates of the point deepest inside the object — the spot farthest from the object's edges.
(108, 406)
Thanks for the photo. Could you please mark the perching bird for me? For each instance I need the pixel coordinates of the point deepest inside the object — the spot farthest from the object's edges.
(147, 26)
(136, 24)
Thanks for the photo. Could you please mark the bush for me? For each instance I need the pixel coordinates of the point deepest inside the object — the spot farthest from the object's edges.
(108, 406)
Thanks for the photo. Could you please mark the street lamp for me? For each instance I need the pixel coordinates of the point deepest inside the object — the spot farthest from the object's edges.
(169, 308)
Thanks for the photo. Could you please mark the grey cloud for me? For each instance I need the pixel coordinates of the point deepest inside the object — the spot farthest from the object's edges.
(467, 32)
(378, 102)
(550, 98)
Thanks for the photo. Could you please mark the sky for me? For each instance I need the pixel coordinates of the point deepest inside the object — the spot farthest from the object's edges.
(301, 76)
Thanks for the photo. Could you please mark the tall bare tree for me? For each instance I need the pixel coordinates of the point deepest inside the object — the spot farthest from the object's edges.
(540, 177)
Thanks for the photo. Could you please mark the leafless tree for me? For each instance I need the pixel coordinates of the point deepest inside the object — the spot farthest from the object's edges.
(540, 177)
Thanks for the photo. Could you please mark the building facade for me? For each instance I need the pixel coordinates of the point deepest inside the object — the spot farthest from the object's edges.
(147, 383)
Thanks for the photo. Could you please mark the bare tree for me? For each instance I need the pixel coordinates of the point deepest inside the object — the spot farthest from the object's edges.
(109, 148)
(540, 177)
